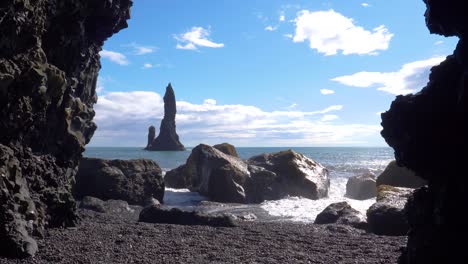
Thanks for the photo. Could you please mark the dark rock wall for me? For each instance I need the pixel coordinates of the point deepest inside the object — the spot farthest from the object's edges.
(428, 132)
(49, 64)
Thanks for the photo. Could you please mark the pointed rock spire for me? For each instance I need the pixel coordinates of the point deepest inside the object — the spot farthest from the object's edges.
(167, 138)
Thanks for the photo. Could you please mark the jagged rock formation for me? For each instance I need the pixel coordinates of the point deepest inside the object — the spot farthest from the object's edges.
(167, 138)
(428, 132)
(226, 178)
(133, 181)
(49, 64)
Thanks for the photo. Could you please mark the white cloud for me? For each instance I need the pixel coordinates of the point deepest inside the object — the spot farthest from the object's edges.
(326, 118)
(410, 78)
(326, 91)
(147, 65)
(330, 32)
(113, 56)
(440, 42)
(124, 117)
(195, 38)
(282, 18)
(99, 85)
(289, 36)
(271, 28)
(365, 4)
(140, 49)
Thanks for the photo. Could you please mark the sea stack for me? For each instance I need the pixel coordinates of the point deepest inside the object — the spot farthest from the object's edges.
(167, 138)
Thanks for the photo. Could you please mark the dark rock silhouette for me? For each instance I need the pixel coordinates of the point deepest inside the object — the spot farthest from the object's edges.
(428, 132)
(49, 62)
(167, 138)
(133, 181)
(163, 215)
(151, 136)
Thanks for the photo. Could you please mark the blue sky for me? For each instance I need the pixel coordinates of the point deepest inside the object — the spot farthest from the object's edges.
(264, 73)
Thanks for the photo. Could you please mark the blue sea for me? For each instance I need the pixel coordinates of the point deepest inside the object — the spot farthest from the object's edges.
(342, 162)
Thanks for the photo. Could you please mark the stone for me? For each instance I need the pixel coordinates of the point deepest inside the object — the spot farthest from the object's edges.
(427, 131)
(93, 203)
(361, 187)
(160, 215)
(227, 148)
(387, 215)
(133, 181)
(226, 178)
(398, 176)
(167, 138)
(151, 136)
(49, 63)
(341, 213)
(299, 175)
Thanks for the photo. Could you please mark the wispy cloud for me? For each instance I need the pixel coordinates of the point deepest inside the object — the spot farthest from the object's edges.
(282, 18)
(439, 42)
(365, 4)
(410, 78)
(195, 38)
(125, 116)
(330, 32)
(147, 66)
(326, 91)
(141, 49)
(113, 56)
(271, 28)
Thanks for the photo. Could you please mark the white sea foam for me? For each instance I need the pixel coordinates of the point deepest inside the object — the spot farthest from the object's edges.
(305, 210)
(182, 197)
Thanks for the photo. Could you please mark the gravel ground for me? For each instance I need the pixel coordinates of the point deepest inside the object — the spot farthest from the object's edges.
(119, 238)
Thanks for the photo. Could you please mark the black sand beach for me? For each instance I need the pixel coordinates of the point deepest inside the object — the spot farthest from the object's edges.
(119, 238)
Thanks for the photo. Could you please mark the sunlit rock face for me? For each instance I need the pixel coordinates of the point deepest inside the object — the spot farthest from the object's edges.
(49, 64)
(428, 133)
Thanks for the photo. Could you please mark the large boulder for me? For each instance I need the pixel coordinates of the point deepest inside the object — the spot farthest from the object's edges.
(212, 173)
(361, 187)
(341, 213)
(299, 175)
(387, 215)
(263, 185)
(161, 215)
(227, 148)
(398, 176)
(167, 138)
(133, 181)
(49, 63)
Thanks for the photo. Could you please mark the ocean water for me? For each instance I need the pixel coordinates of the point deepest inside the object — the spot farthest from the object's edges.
(342, 163)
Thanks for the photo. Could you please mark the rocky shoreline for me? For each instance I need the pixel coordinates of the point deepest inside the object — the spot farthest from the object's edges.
(117, 237)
